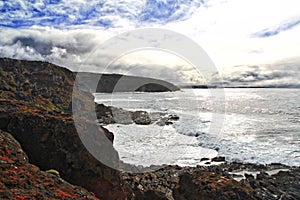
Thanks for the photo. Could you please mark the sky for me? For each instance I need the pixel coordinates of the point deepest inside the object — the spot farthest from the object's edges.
(251, 42)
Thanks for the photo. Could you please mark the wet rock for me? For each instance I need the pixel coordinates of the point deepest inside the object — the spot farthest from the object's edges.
(121, 116)
(141, 117)
(110, 115)
(173, 117)
(204, 159)
(218, 159)
(215, 182)
(261, 176)
(249, 176)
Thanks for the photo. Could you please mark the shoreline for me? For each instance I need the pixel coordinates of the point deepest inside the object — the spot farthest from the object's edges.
(35, 109)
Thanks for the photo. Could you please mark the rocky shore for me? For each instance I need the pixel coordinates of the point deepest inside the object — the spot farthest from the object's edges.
(224, 181)
(111, 115)
(37, 134)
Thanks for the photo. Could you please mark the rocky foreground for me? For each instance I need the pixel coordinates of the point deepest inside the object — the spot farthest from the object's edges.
(224, 181)
(37, 134)
(21, 180)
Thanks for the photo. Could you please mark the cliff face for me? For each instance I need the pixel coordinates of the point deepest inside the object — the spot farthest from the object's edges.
(49, 87)
(109, 83)
(21, 180)
(35, 107)
(42, 85)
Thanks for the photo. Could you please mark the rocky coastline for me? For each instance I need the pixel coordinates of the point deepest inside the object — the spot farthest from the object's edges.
(37, 134)
(112, 115)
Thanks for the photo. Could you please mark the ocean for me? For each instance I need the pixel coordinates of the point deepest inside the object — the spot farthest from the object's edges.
(256, 125)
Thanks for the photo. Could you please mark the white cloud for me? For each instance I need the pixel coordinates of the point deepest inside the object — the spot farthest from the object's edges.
(225, 31)
(223, 28)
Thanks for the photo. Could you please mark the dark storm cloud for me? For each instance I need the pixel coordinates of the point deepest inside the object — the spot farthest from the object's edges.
(42, 47)
(72, 49)
(281, 74)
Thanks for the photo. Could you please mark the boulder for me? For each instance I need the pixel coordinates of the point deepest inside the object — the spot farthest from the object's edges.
(141, 117)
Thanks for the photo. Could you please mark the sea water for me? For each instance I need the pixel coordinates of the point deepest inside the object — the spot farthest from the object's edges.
(257, 125)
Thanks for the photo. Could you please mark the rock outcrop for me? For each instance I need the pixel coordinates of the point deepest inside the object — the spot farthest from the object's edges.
(274, 181)
(21, 180)
(108, 83)
(35, 107)
(110, 115)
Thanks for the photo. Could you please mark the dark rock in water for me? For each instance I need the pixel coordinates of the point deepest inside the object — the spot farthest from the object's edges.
(218, 159)
(173, 117)
(249, 176)
(141, 117)
(121, 116)
(153, 87)
(204, 159)
(111, 115)
(21, 180)
(262, 175)
(168, 123)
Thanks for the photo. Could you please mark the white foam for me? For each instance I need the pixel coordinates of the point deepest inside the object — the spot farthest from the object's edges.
(155, 145)
(251, 131)
(241, 174)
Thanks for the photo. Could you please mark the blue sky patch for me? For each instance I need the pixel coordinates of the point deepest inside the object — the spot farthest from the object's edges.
(276, 30)
(58, 13)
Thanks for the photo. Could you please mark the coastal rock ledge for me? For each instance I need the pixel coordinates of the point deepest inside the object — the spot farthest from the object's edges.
(21, 180)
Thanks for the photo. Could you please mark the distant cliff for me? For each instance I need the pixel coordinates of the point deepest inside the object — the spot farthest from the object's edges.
(108, 83)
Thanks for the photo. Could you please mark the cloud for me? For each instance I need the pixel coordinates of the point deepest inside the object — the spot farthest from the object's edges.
(74, 49)
(65, 32)
(67, 48)
(106, 14)
(17, 50)
(287, 25)
(284, 73)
